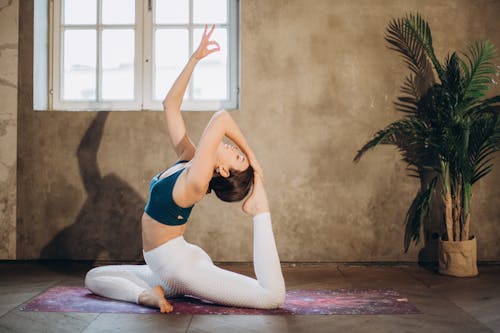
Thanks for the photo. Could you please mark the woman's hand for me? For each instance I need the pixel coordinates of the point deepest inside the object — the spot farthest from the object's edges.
(257, 202)
(203, 49)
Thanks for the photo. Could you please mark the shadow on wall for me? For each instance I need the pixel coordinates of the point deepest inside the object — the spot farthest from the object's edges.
(108, 225)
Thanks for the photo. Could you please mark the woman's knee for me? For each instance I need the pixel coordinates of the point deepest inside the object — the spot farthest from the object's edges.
(267, 299)
(91, 276)
(275, 298)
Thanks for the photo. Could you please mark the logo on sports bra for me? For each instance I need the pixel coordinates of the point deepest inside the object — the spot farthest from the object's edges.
(179, 217)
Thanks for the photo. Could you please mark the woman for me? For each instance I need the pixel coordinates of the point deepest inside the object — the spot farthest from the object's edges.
(174, 266)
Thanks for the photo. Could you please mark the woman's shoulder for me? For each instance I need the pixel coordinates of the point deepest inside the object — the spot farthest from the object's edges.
(184, 194)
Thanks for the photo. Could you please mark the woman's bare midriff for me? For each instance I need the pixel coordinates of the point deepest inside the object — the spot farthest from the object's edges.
(155, 233)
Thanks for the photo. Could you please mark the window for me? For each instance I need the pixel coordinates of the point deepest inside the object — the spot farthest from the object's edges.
(126, 54)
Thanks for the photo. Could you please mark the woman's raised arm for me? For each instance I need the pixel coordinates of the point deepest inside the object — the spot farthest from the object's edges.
(179, 138)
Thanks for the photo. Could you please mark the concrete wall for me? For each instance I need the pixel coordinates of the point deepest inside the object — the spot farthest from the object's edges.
(8, 126)
(317, 81)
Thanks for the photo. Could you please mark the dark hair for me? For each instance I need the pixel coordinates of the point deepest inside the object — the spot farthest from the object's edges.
(232, 188)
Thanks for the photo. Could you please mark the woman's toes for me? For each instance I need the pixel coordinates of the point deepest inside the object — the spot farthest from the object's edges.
(165, 306)
(170, 308)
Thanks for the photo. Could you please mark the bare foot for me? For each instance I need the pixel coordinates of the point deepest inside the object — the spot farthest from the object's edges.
(155, 297)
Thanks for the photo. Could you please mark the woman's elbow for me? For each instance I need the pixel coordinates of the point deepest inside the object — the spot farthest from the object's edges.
(167, 105)
(221, 114)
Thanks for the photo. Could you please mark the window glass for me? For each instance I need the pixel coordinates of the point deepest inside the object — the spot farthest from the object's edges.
(213, 11)
(172, 11)
(171, 54)
(79, 65)
(118, 11)
(79, 11)
(118, 53)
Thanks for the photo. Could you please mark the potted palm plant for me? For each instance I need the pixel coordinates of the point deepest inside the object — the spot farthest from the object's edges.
(448, 135)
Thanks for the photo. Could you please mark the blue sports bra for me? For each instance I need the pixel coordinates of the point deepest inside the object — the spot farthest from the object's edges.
(161, 205)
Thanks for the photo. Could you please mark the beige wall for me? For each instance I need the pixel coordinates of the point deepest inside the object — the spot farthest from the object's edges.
(317, 80)
(8, 126)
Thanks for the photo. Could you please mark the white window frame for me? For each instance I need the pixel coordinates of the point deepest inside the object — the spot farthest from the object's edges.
(144, 62)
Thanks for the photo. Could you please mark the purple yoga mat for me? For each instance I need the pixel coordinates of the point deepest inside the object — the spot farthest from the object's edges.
(298, 302)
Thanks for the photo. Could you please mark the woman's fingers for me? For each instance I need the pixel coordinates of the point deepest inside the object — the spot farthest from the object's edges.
(257, 178)
(217, 46)
(209, 34)
(211, 31)
(205, 42)
(215, 49)
(258, 171)
(257, 168)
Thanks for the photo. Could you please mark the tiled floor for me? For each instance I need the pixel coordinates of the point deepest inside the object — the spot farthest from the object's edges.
(447, 304)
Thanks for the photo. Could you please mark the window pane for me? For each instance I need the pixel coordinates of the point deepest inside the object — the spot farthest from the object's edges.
(118, 11)
(210, 77)
(80, 11)
(171, 54)
(118, 54)
(213, 11)
(79, 65)
(171, 11)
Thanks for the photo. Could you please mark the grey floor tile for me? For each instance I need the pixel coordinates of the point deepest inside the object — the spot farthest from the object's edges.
(131, 323)
(494, 325)
(315, 277)
(478, 297)
(333, 323)
(13, 295)
(25, 322)
(377, 276)
(232, 324)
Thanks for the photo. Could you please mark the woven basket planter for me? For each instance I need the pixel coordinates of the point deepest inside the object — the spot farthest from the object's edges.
(458, 258)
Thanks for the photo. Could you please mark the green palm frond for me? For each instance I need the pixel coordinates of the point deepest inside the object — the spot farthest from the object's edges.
(403, 41)
(478, 69)
(407, 104)
(484, 142)
(416, 90)
(381, 137)
(421, 32)
(415, 145)
(489, 105)
(452, 79)
(411, 137)
(418, 214)
(385, 136)
(455, 143)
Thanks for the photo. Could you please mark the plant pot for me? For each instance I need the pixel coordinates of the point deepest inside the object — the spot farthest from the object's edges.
(458, 258)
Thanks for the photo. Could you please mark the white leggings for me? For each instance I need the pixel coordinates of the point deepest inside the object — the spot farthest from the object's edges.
(182, 268)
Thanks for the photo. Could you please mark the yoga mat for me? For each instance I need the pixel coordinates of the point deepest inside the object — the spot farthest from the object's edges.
(297, 302)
